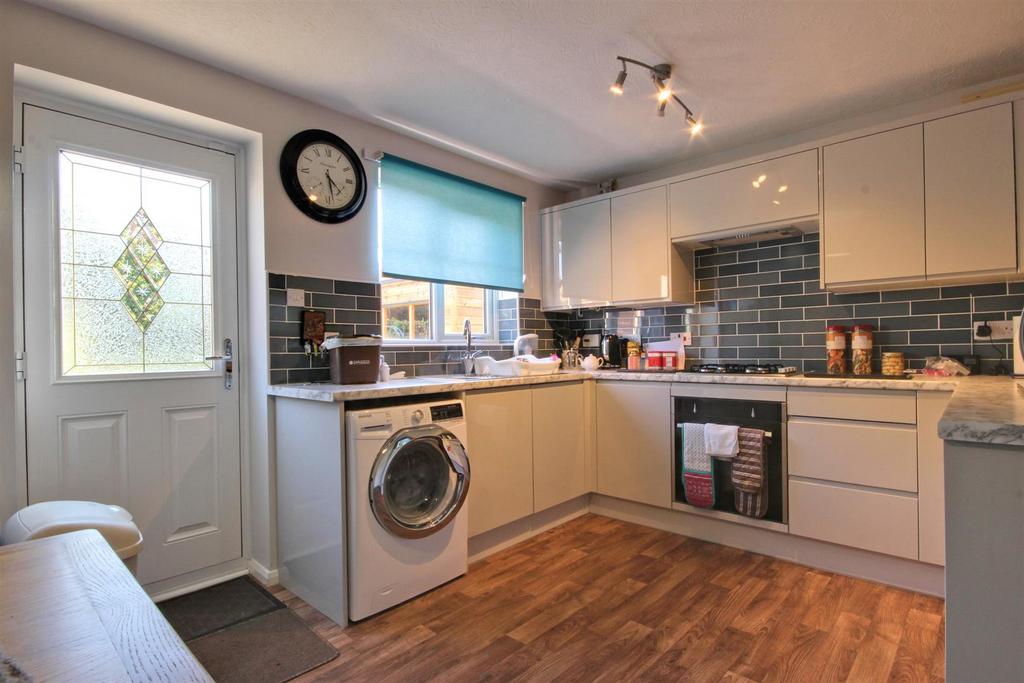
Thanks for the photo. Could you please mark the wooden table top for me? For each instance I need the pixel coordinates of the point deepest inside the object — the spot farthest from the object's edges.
(71, 611)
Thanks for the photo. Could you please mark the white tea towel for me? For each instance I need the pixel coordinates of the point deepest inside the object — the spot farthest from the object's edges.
(721, 440)
(695, 455)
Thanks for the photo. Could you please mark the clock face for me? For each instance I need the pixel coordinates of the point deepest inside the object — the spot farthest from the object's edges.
(323, 176)
(326, 175)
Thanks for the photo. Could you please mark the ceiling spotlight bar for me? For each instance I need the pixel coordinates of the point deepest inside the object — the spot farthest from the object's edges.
(660, 73)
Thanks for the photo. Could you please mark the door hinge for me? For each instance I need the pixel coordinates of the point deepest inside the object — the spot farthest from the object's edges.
(19, 160)
(19, 366)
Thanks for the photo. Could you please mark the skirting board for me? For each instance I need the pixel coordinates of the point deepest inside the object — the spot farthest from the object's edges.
(267, 577)
(894, 571)
(492, 541)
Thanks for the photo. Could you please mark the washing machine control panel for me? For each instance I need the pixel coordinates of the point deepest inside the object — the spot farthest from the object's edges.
(447, 411)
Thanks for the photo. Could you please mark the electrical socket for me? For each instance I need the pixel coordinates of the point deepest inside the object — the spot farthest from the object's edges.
(1002, 330)
(682, 337)
(591, 341)
(296, 297)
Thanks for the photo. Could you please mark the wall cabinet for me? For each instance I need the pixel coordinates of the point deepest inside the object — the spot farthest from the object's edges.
(769, 192)
(634, 441)
(500, 431)
(559, 448)
(578, 250)
(970, 216)
(873, 222)
(931, 201)
(613, 251)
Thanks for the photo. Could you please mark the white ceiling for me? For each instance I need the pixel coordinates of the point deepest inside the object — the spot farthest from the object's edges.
(525, 82)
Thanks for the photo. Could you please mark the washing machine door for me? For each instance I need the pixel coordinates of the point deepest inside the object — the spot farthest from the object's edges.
(419, 481)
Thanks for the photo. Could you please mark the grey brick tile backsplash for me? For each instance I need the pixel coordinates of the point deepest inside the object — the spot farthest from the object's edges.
(354, 308)
(757, 303)
(762, 303)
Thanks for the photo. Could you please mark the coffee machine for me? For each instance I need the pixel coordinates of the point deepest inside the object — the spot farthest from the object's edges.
(611, 350)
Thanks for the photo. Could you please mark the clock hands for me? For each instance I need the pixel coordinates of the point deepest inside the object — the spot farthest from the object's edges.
(331, 184)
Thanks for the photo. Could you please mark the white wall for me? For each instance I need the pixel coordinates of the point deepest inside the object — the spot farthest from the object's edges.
(294, 244)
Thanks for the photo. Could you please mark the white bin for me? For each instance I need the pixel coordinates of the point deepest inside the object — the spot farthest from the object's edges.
(62, 516)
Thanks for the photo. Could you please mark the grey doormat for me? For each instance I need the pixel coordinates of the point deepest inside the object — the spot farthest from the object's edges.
(271, 648)
(217, 607)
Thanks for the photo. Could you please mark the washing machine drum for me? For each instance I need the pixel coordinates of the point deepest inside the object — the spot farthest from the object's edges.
(419, 481)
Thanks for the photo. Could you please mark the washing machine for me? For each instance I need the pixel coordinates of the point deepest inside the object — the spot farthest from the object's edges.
(408, 476)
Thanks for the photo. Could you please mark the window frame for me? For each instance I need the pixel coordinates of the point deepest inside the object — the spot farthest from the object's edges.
(437, 321)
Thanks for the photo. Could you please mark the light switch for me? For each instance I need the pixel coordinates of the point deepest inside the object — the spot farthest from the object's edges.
(296, 297)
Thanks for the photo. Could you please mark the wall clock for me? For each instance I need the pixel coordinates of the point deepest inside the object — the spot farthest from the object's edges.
(323, 176)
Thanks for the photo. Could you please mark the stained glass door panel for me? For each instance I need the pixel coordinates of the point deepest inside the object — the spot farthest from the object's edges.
(136, 268)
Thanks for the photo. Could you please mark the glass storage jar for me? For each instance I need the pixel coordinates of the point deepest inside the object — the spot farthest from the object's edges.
(835, 344)
(862, 340)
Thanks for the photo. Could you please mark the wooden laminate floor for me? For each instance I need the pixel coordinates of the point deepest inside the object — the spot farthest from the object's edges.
(599, 599)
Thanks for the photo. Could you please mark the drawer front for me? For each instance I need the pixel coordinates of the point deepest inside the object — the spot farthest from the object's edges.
(872, 520)
(878, 405)
(870, 454)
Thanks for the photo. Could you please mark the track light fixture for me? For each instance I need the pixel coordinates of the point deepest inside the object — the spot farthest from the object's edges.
(660, 74)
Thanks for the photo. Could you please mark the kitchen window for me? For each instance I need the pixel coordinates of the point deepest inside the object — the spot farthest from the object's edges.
(422, 312)
(450, 248)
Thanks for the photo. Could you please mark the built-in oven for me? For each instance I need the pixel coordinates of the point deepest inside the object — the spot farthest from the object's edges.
(729, 406)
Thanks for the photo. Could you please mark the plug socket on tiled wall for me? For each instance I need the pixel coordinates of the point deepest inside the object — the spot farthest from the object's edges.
(354, 308)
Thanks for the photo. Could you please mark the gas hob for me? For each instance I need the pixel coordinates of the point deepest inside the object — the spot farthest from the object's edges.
(742, 369)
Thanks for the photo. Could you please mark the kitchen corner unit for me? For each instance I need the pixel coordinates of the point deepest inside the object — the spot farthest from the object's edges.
(613, 250)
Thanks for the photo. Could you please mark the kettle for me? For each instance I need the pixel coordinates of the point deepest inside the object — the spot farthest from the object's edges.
(611, 350)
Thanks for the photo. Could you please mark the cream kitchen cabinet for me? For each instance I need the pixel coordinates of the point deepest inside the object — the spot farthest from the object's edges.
(500, 432)
(771, 192)
(934, 201)
(559, 447)
(646, 266)
(873, 219)
(634, 441)
(577, 256)
(613, 251)
(970, 213)
(931, 476)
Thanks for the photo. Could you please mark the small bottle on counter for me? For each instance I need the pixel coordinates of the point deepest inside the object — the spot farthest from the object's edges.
(862, 340)
(835, 344)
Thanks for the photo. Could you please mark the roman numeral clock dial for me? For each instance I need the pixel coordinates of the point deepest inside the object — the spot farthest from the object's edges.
(323, 176)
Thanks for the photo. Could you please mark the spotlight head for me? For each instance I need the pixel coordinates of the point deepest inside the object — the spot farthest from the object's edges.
(661, 107)
(617, 86)
(695, 125)
(664, 92)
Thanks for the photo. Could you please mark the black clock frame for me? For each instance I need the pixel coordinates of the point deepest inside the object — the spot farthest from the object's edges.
(290, 177)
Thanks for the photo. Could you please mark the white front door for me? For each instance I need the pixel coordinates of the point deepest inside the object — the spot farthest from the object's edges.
(130, 285)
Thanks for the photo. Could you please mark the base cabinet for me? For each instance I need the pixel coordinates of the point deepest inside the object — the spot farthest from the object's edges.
(559, 447)
(500, 429)
(634, 441)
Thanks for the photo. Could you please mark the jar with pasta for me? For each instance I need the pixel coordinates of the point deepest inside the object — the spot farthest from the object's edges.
(862, 341)
(835, 345)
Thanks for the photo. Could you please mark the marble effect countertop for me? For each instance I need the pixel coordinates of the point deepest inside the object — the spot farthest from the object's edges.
(985, 410)
(981, 410)
(448, 383)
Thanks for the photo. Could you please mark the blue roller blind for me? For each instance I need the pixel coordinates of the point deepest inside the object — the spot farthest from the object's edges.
(440, 227)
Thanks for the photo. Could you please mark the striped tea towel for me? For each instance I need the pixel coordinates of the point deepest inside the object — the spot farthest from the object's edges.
(698, 472)
(748, 465)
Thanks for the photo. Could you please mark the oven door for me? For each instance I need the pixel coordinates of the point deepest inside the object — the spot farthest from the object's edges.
(419, 481)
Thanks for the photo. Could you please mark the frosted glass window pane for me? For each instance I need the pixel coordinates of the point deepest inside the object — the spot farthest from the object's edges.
(103, 201)
(135, 288)
(175, 208)
(176, 335)
(183, 289)
(181, 258)
(94, 249)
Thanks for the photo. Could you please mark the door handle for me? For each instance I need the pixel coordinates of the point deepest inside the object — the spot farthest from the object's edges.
(228, 359)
